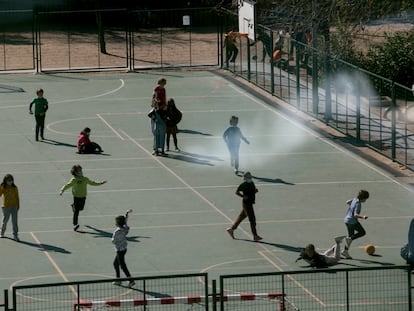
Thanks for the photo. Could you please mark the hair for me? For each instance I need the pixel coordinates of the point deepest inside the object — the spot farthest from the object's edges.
(247, 174)
(39, 91)
(6, 178)
(120, 221)
(162, 80)
(86, 130)
(171, 103)
(75, 168)
(363, 195)
(234, 120)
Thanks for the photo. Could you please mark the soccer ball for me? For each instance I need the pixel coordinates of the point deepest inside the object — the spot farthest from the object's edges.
(370, 249)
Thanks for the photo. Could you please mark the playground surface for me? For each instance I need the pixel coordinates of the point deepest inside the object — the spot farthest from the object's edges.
(182, 203)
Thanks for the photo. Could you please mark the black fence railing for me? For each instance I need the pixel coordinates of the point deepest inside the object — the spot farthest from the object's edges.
(352, 289)
(366, 107)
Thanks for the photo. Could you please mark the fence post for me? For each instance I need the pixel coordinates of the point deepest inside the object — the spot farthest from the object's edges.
(214, 295)
(410, 308)
(6, 300)
(393, 122)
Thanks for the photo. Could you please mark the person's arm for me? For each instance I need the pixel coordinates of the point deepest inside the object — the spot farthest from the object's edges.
(95, 183)
(30, 107)
(357, 212)
(67, 186)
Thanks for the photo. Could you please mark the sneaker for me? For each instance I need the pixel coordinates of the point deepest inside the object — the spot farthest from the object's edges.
(155, 153)
(168, 149)
(16, 238)
(257, 238)
(2, 235)
(339, 239)
(75, 227)
(177, 150)
(117, 283)
(345, 254)
(131, 283)
(236, 171)
(230, 231)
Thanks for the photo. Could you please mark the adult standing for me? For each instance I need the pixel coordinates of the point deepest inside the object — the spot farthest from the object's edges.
(246, 190)
(41, 106)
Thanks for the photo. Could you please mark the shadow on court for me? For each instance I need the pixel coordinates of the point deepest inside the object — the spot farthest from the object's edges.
(194, 132)
(46, 247)
(99, 233)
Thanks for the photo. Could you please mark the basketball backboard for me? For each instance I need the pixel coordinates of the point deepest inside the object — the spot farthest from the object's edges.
(247, 14)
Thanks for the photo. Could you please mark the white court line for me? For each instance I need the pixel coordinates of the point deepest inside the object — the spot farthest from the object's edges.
(264, 184)
(313, 133)
(110, 126)
(53, 262)
(188, 186)
(74, 99)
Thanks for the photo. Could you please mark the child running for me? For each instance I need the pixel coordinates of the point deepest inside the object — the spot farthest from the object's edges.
(353, 214)
(79, 183)
(120, 241)
(232, 137)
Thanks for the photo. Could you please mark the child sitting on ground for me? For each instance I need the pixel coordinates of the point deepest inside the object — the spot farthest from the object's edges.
(85, 145)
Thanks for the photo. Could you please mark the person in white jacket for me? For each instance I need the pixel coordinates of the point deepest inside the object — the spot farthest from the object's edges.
(120, 241)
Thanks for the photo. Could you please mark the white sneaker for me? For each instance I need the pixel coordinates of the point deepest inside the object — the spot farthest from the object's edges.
(118, 283)
(131, 283)
(346, 254)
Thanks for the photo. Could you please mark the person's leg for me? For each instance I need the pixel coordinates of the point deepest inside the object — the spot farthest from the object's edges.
(5, 219)
(14, 211)
(77, 206)
(121, 258)
(360, 231)
(116, 265)
(174, 135)
(37, 128)
(239, 219)
(42, 126)
(167, 141)
(248, 208)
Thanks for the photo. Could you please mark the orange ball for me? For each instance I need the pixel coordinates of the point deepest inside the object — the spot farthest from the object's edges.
(370, 249)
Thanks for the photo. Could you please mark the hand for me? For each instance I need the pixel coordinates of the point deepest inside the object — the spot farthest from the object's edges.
(104, 182)
(365, 217)
(30, 112)
(127, 212)
(60, 193)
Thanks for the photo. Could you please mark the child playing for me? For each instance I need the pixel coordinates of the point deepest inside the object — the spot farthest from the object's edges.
(10, 205)
(120, 241)
(353, 214)
(322, 260)
(78, 183)
(41, 106)
(85, 145)
(232, 137)
(246, 190)
(173, 118)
